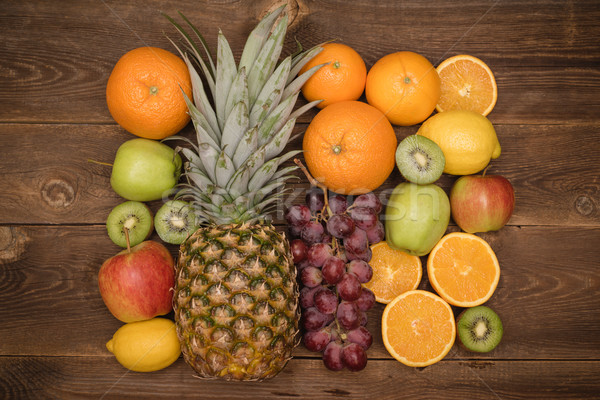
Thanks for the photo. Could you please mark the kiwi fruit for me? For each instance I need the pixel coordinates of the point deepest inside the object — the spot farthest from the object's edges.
(479, 329)
(134, 216)
(420, 160)
(175, 221)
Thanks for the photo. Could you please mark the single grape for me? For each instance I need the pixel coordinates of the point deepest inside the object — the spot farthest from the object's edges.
(298, 215)
(360, 269)
(298, 249)
(338, 204)
(317, 340)
(348, 315)
(362, 317)
(376, 233)
(333, 270)
(311, 276)
(369, 200)
(313, 319)
(318, 253)
(315, 200)
(366, 300)
(357, 242)
(364, 217)
(325, 301)
(361, 336)
(332, 356)
(349, 287)
(364, 255)
(354, 357)
(312, 232)
(340, 225)
(307, 296)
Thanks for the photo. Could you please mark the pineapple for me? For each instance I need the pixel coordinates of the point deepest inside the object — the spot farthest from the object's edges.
(236, 296)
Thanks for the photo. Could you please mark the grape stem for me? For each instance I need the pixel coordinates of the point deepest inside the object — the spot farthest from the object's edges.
(341, 332)
(335, 245)
(316, 183)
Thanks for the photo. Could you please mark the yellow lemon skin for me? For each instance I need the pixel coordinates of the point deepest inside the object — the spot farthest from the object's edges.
(468, 140)
(146, 346)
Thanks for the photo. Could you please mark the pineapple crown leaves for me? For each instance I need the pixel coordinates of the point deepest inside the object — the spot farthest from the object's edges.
(243, 116)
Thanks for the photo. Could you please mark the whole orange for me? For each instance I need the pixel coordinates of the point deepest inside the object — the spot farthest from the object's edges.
(143, 92)
(404, 86)
(350, 147)
(343, 78)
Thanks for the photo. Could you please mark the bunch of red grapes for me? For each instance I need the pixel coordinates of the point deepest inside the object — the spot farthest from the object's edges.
(331, 248)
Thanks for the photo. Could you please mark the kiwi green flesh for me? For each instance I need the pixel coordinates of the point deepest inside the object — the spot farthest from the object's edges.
(136, 217)
(175, 221)
(479, 329)
(420, 160)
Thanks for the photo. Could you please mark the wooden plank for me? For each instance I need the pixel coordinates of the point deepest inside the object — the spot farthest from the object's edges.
(547, 295)
(556, 32)
(46, 177)
(102, 377)
(511, 34)
(57, 61)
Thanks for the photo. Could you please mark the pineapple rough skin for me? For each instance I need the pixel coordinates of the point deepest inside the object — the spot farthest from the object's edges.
(236, 302)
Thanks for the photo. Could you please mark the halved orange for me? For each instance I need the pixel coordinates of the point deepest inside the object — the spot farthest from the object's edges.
(467, 83)
(394, 272)
(418, 328)
(463, 269)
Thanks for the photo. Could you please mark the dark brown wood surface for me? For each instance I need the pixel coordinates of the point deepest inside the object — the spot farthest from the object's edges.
(55, 59)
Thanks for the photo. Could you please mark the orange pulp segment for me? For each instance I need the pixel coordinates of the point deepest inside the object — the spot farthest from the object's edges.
(394, 272)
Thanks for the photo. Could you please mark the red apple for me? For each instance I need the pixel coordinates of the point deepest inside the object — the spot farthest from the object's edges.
(136, 284)
(481, 203)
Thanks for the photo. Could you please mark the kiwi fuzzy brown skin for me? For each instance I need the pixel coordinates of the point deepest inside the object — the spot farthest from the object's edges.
(139, 219)
(499, 331)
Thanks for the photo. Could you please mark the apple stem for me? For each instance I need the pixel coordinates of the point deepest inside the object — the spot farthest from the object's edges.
(484, 171)
(316, 183)
(127, 239)
(99, 162)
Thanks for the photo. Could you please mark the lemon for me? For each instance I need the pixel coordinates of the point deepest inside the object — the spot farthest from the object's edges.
(468, 140)
(145, 345)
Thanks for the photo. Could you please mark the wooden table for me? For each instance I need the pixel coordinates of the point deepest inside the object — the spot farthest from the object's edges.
(55, 61)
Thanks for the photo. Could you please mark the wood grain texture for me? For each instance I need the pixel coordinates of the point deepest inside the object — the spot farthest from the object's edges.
(47, 178)
(103, 378)
(548, 274)
(57, 59)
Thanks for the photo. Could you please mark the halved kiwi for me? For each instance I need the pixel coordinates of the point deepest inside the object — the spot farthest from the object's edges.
(479, 329)
(420, 160)
(175, 221)
(134, 216)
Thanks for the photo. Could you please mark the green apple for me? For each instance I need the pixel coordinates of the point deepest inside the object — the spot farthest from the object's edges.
(416, 217)
(145, 170)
